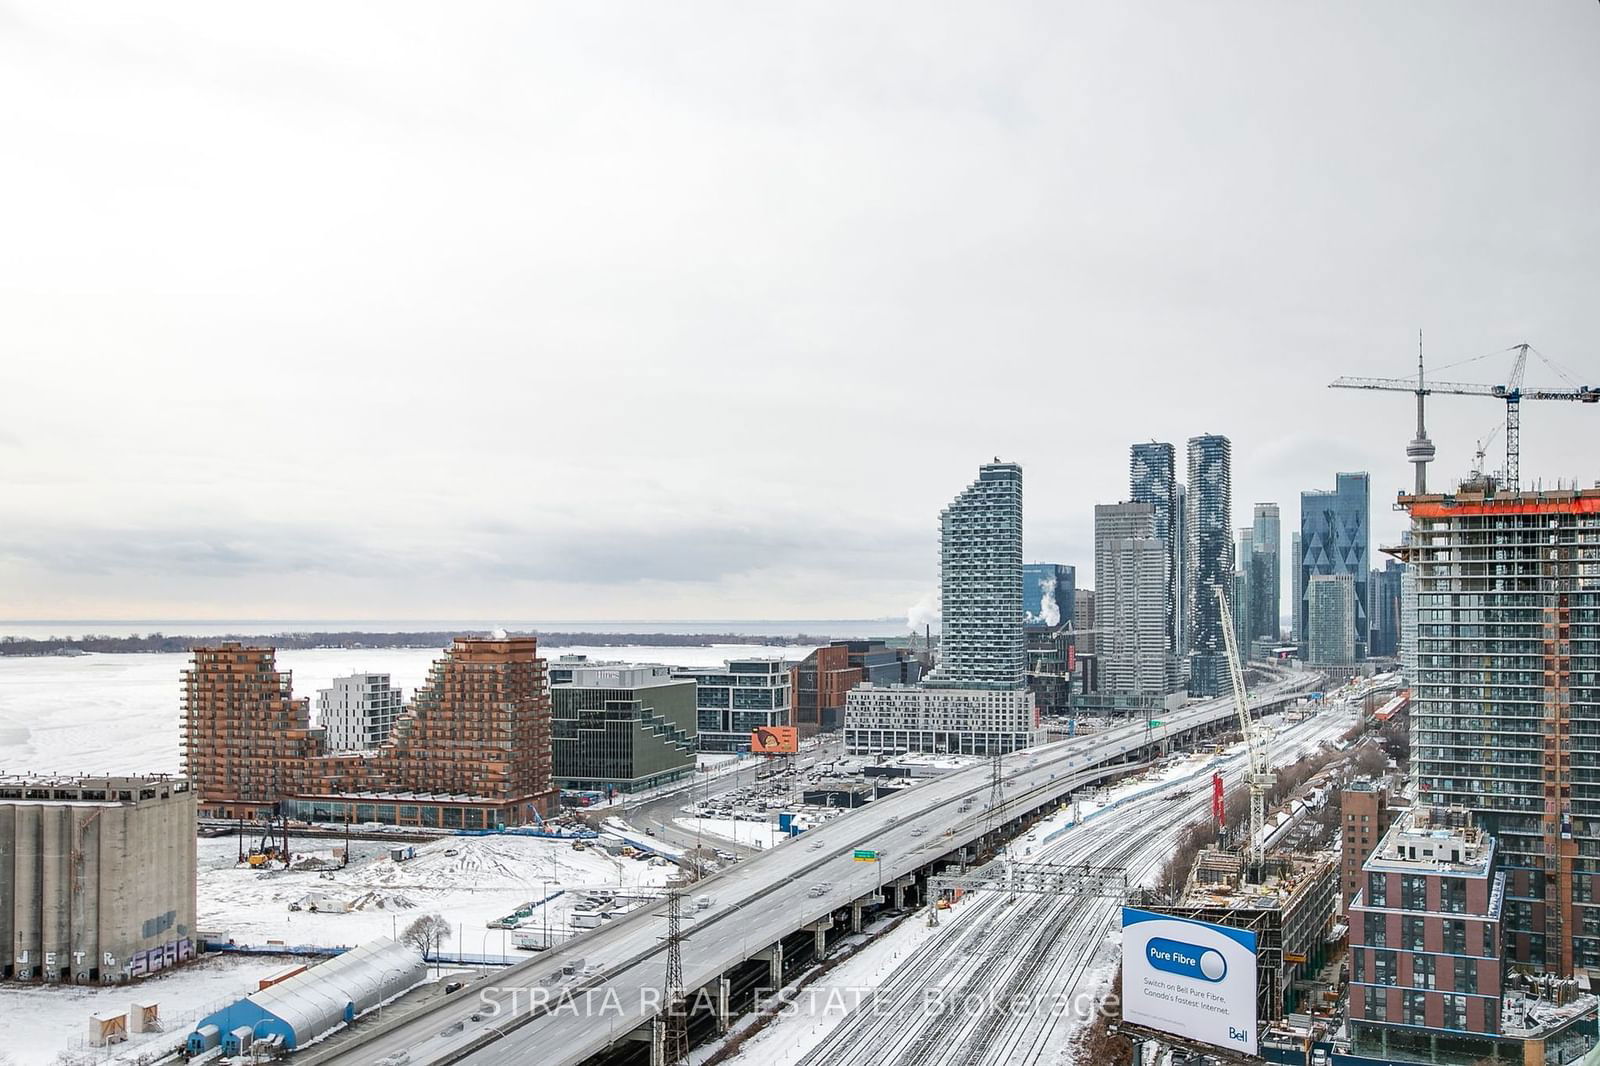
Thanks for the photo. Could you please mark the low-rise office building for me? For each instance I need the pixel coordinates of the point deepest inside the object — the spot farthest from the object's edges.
(820, 682)
(622, 728)
(901, 718)
(733, 702)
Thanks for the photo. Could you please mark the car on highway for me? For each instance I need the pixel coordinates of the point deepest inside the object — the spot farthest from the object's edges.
(398, 1058)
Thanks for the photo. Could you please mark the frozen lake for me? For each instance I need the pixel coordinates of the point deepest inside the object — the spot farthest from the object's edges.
(119, 714)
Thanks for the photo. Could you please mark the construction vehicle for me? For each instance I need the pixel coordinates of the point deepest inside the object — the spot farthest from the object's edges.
(1258, 776)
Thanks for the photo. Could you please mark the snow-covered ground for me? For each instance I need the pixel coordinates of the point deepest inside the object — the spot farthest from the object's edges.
(470, 881)
(741, 831)
(119, 713)
(39, 1022)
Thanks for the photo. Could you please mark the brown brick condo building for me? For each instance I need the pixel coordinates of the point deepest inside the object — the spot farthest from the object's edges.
(472, 750)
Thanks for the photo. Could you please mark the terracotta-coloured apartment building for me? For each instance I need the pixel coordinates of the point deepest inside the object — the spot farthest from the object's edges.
(472, 750)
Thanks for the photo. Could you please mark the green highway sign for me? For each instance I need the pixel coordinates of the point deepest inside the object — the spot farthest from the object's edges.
(1154, 722)
(865, 855)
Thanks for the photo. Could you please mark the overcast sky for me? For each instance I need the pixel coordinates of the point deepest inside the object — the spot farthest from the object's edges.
(653, 311)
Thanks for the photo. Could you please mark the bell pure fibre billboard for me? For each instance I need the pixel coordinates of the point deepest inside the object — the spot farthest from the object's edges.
(775, 740)
(1189, 978)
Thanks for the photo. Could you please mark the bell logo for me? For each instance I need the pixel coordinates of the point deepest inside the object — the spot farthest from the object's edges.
(1241, 1035)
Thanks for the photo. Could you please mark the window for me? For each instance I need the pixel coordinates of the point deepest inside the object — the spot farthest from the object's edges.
(1466, 977)
(1423, 971)
(1377, 890)
(1413, 932)
(1455, 937)
(1455, 1012)
(1377, 1004)
(1414, 892)
(1375, 929)
(1453, 894)
(1415, 1005)
(1490, 941)
(1358, 958)
(1385, 968)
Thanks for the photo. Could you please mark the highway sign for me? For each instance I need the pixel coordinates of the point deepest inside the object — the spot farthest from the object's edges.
(865, 855)
(1154, 722)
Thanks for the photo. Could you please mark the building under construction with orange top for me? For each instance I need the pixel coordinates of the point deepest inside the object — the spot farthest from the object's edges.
(471, 751)
(1506, 704)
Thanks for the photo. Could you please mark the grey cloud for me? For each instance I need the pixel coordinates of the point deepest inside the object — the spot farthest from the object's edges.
(592, 555)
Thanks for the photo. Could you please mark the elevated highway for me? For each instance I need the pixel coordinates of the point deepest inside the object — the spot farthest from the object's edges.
(748, 929)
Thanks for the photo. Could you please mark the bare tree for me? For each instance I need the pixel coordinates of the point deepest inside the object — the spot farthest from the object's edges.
(427, 933)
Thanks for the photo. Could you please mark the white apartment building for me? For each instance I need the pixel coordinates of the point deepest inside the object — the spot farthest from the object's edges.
(359, 711)
(898, 718)
(1331, 620)
(1131, 582)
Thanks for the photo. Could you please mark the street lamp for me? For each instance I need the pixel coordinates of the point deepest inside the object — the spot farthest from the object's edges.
(544, 888)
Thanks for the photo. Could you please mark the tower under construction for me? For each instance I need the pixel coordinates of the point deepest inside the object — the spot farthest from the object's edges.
(1506, 707)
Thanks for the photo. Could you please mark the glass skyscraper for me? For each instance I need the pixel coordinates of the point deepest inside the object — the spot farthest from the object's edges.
(1209, 551)
(1334, 539)
(1153, 479)
(1047, 594)
(1266, 538)
(982, 643)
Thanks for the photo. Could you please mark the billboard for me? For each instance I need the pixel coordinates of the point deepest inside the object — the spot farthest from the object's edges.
(1189, 978)
(775, 740)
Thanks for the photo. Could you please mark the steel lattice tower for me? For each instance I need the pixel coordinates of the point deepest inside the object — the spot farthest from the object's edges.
(675, 1020)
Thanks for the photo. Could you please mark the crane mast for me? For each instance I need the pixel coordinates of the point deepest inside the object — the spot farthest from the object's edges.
(1259, 777)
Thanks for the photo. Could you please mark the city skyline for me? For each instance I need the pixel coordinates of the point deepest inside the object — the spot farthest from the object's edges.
(243, 386)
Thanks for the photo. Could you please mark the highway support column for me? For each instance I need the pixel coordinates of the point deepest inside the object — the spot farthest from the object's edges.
(774, 957)
(819, 930)
(719, 991)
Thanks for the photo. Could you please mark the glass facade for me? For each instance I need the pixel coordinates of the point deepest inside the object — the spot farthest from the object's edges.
(1047, 595)
(1266, 546)
(1153, 479)
(1335, 539)
(1209, 561)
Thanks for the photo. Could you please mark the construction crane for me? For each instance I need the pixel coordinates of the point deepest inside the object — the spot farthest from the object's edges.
(1259, 776)
(1420, 451)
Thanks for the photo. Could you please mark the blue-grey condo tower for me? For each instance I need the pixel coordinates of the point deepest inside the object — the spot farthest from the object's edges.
(982, 643)
(1335, 538)
(1209, 556)
(1153, 479)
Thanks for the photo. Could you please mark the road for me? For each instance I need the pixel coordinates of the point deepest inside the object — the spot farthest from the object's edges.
(753, 904)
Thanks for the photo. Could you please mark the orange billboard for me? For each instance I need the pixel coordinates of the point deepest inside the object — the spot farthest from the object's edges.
(775, 740)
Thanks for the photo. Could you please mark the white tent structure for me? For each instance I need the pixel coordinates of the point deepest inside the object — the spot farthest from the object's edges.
(326, 996)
